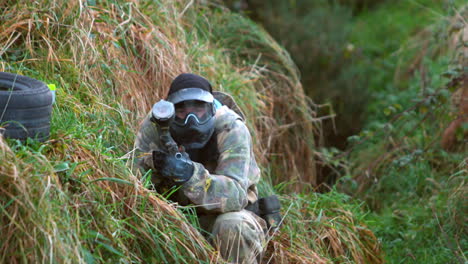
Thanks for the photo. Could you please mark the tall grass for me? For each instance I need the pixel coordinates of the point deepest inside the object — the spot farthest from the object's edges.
(77, 198)
(73, 199)
(322, 228)
(69, 213)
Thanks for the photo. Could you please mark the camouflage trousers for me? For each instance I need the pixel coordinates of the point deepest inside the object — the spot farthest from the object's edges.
(238, 236)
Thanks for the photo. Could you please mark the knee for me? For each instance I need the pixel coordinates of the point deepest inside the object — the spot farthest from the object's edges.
(239, 237)
(239, 226)
(230, 224)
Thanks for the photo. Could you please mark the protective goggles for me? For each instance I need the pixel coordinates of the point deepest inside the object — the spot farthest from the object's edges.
(200, 111)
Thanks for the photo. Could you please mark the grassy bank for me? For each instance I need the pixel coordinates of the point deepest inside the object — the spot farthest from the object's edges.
(76, 198)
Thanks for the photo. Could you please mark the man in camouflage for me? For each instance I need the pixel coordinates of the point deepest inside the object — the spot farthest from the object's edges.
(218, 172)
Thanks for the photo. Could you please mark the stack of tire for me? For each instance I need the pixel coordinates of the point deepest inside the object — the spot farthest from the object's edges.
(25, 107)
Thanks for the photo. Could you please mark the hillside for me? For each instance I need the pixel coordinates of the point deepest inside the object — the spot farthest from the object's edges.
(77, 197)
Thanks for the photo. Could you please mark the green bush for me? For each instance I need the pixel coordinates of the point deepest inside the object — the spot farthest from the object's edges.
(399, 167)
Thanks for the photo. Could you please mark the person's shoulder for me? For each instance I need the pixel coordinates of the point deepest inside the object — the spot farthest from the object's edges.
(226, 118)
(146, 123)
(227, 100)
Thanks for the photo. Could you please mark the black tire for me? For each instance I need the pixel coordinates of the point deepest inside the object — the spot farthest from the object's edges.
(25, 107)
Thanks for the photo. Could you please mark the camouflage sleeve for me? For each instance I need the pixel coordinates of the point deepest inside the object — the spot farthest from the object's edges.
(226, 190)
(147, 140)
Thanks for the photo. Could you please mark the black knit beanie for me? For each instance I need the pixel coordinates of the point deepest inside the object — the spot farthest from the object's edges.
(189, 80)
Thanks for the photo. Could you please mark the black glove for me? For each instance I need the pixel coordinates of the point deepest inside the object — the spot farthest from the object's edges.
(270, 211)
(176, 169)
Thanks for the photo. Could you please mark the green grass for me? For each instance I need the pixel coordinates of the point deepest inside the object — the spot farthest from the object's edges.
(396, 40)
(414, 189)
(423, 220)
(327, 225)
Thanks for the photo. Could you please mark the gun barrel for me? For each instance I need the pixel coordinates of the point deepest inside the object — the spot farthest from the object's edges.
(163, 112)
(162, 115)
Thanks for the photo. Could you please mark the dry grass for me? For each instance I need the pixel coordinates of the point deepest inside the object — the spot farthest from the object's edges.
(328, 229)
(50, 216)
(283, 117)
(278, 252)
(59, 210)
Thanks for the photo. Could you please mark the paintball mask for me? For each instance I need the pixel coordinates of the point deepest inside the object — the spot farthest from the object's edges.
(193, 124)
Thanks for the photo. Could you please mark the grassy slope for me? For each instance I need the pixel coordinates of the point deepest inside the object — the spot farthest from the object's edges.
(76, 198)
(415, 189)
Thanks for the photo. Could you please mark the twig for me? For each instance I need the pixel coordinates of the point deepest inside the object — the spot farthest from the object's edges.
(185, 9)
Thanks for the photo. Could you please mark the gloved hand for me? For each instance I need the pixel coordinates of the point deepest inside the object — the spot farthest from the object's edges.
(177, 170)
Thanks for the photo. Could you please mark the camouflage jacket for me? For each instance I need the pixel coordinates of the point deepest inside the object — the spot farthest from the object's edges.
(226, 185)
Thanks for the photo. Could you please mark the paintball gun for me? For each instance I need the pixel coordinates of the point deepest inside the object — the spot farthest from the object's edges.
(162, 115)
